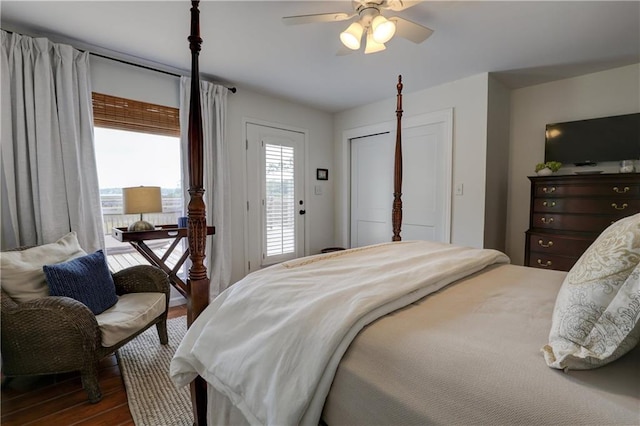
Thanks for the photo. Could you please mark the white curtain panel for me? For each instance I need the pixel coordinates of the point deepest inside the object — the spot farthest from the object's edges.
(49, 175)
(216, 183)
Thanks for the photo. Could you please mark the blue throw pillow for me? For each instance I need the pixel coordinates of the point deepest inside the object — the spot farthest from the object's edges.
(86, 279)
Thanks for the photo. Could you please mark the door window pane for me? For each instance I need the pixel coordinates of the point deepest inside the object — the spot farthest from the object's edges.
(279, 200)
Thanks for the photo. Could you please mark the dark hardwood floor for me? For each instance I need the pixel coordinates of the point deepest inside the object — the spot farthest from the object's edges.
(60, 400)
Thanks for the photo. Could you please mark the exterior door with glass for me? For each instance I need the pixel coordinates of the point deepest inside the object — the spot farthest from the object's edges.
(275, 195)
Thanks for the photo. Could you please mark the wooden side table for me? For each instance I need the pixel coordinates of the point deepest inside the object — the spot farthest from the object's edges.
(137, 240)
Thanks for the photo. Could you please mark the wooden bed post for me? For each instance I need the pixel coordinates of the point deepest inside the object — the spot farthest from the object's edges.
(397, 170)
(197, 222)
(197, 282)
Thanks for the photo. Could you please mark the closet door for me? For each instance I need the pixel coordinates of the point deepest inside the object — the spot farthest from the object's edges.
(371, 189)
(426, 184)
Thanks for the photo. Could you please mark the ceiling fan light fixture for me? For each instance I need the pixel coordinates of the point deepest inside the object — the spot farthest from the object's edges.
(383, 29)
(373, 46)
(351, 36)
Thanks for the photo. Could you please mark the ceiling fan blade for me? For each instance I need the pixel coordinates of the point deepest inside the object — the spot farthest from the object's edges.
(410, 30)
(318, 17)
(398, 5)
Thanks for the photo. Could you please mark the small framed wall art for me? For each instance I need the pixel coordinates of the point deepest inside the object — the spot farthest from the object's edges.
(322, 174)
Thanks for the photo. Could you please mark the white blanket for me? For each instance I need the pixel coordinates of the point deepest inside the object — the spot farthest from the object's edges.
(272, 342)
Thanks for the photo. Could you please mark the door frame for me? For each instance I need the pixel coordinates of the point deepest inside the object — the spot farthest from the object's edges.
(245, 187)
(344, 192)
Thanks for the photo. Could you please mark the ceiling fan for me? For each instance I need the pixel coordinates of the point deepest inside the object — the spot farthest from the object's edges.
(370, 23)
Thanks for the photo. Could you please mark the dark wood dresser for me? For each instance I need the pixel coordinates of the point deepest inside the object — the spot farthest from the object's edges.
(568, 212)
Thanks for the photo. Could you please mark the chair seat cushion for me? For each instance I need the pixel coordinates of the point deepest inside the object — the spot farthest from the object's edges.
(21, 271)
(129, 315)
(86, 279)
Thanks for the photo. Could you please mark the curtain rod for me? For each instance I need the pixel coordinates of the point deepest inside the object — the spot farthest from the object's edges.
(146, 67)
(231, 89)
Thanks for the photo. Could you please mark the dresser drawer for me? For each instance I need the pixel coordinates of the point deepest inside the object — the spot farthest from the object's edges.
(609, 205)
(613, 189)
(574, 222)
(551, 261)
(610, 189)
(565, 245)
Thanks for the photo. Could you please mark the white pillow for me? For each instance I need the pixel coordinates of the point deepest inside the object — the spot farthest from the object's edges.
(596, 318)
(21, 274)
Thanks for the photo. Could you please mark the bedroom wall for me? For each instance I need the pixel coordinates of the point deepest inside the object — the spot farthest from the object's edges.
(496, 188)
(468, 98)
(611, 92)
(136, 83)
(126, 81)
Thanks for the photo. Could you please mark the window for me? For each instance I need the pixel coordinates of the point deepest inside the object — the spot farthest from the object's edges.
(136, 143)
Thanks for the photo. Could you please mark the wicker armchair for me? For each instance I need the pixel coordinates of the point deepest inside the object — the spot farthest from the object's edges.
(59, 334)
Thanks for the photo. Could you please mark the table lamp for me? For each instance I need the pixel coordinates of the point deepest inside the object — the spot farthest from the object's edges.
(141, 199)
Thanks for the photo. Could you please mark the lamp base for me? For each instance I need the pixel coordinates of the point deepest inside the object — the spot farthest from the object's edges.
(141, 225)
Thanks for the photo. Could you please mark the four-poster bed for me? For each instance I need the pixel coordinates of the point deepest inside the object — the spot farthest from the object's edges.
(351, 337)
(198, 282)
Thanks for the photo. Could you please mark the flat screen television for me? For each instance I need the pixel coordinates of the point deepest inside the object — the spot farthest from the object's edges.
(587, 142)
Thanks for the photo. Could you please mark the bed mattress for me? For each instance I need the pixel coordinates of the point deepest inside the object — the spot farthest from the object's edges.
(470, 354)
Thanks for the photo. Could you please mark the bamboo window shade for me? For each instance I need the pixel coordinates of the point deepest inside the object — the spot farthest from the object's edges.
(126, 114)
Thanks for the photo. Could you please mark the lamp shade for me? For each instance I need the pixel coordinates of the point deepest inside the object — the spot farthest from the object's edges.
(383, 29)
(352, 35)
(142, 199)
(372, 46)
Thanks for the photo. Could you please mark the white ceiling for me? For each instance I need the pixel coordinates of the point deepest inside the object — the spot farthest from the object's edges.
(246, 44)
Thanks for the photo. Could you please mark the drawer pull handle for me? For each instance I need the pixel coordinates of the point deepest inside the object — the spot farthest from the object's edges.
(549, 190)
(549, 244)
(545, 264)
(621, 191)
(622, 207)
(545, 220)
(547, 204)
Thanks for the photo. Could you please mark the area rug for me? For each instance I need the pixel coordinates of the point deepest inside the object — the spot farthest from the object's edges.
(144, 363)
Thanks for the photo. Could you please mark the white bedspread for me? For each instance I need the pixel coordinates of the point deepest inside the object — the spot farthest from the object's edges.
(272, 342)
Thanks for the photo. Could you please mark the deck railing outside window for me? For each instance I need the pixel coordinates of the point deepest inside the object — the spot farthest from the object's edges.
(121, 255)
(113, 216)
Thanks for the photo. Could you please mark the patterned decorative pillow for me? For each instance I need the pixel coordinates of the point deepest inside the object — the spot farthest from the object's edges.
(596, 318)
(21, 272)
(86, 279)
